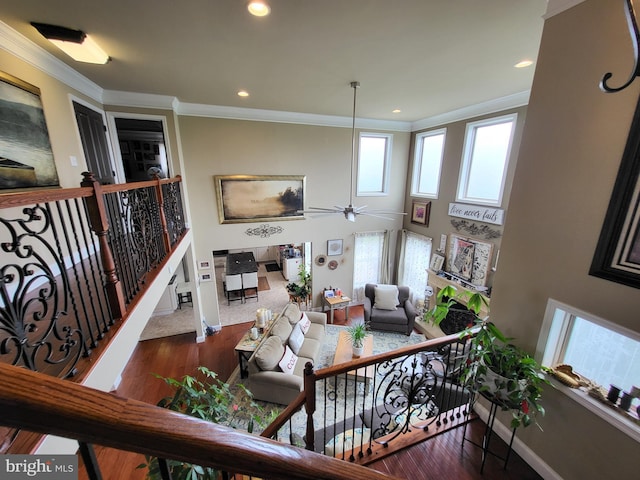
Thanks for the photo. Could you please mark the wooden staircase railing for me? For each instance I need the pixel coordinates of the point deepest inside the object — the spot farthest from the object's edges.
(43, 404)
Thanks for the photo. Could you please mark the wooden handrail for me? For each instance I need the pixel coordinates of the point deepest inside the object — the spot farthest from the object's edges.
(284, 416)
(44, 404)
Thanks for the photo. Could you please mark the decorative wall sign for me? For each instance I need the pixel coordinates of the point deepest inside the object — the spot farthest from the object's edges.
(254, 198)
(204, 264)
(617, 255)
(472, 228)
(458, 251)
(263, 231)
(477, 212)
(26, 159)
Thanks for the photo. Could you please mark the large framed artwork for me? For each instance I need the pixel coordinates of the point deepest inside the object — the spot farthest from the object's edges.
(257, 198)
(617, 255)
(469, 259)
(26, 159)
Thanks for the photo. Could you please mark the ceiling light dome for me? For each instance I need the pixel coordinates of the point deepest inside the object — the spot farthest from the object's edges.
(258, 8)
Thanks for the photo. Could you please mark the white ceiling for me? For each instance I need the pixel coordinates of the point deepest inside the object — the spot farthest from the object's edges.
(425, 57)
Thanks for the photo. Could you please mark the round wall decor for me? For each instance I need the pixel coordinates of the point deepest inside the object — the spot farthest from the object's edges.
(321, 260)
(333, 264)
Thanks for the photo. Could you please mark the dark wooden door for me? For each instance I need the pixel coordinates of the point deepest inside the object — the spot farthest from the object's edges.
(94, 143)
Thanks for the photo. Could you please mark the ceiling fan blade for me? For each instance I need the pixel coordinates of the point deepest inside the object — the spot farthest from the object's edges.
(320, 209)
(371, 214)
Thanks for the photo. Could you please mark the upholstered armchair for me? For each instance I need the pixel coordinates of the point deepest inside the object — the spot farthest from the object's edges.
(387, 308)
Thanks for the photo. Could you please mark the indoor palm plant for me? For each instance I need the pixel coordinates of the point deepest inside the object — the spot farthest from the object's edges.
(211, 399)
(357, 334)
(494, 367)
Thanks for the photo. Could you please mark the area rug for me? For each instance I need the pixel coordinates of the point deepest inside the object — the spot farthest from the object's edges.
(272, 267)
(382, 342)
(263, 284)
(176, 323)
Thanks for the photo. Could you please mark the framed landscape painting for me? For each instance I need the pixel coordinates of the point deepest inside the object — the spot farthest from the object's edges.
(258, 198)
(26, 159)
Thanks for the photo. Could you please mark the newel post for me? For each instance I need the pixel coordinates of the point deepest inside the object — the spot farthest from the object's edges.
(163, 218)
(100, 225)
(310, 406)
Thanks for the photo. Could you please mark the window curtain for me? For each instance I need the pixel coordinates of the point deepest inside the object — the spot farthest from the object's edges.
(415, 252)
(370, 265)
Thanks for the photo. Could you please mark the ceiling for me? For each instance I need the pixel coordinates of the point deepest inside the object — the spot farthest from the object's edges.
(424, 57)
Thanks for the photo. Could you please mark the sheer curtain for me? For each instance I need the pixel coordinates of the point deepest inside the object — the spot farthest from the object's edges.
(371, 261)
(415, 252)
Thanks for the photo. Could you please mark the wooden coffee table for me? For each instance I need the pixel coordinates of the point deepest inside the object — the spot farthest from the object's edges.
(344, 354)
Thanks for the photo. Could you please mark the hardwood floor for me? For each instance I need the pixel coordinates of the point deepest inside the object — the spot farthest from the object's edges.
(440, 458)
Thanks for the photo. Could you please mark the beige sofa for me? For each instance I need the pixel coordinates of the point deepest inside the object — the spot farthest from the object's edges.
(267, 381)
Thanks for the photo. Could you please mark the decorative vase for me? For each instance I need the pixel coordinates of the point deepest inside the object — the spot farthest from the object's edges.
(357, 351)
(496, 384)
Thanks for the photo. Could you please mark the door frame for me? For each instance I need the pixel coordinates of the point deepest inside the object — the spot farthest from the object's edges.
(115, 142)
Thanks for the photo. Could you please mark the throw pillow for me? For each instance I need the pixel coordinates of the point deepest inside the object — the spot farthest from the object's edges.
(347, 441)
(296, 339)
(292, 312)
(281, 329)
(386, 297)
(304, 323)
(269, 354)
(288, 361)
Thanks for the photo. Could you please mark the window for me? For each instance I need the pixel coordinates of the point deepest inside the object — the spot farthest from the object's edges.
(370, 261)
(487, 147)
(415, 252)
(427, 162)
(374, 157)
(597, 349)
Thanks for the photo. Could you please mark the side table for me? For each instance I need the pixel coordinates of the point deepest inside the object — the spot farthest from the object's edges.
(488, 433)
(336, 302)
(246, 346)
(183, 290)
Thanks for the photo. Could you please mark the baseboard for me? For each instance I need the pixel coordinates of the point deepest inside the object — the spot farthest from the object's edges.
(521, 448)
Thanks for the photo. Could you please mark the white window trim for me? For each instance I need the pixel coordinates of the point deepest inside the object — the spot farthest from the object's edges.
(386, 168)
(417, 162)
(465, 165)
(623, 424)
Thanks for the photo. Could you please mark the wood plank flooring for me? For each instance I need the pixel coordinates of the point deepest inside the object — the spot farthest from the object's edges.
(441, 458)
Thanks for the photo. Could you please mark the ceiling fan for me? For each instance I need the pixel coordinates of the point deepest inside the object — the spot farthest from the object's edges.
(350, 211)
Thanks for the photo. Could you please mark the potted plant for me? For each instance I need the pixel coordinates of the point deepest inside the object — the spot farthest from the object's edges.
(208, 398)
(357, 334)
(302, 288)
(494, 367)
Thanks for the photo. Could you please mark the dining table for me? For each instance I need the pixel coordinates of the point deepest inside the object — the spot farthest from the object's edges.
(243, 262)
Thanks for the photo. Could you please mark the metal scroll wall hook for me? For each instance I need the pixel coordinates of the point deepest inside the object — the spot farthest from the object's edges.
(632, 23)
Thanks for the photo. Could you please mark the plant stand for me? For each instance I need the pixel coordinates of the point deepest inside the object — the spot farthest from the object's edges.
(488, 433)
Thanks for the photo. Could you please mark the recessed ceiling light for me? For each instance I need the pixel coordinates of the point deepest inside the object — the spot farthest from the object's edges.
(524, 64)
(397, 110)
(258, 8)
(243, 93)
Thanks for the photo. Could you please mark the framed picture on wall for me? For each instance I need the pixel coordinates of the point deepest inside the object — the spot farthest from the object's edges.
(469, 259)
(26, 159)
(253, 198)
(420, 212)
(437, 262)
(334, 247)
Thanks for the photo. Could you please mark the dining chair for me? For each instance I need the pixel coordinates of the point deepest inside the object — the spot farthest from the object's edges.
(234, 288)
(250, 285)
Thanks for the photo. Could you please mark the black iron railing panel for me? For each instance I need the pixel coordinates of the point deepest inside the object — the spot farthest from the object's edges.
(173, 211)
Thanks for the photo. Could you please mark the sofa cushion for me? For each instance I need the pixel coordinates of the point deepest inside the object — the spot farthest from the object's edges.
(292, 313)
(296, 338)
(288, 361)
(398, 316)
(269, 354)
(281, 329)
(386, 297)
(310, 349)
(304, 323)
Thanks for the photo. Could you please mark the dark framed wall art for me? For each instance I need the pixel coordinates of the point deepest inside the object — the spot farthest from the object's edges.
(26, 159)
(420, 213)
(257, 198)
(617, 255)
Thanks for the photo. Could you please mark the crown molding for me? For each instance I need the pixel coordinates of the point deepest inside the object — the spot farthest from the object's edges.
(23, 48)
(143, 100)
(492, 106)
(257, 115)
(554, 7)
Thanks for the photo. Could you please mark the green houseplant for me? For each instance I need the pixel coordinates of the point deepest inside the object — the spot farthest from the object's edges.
(211, 399)
(302, 288)
(357, 334)
(493, 366)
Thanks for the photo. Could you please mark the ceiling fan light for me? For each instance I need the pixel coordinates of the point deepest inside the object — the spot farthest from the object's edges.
(350, 216)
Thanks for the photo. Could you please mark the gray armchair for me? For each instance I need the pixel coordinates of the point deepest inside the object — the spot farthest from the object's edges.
(400, 319)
